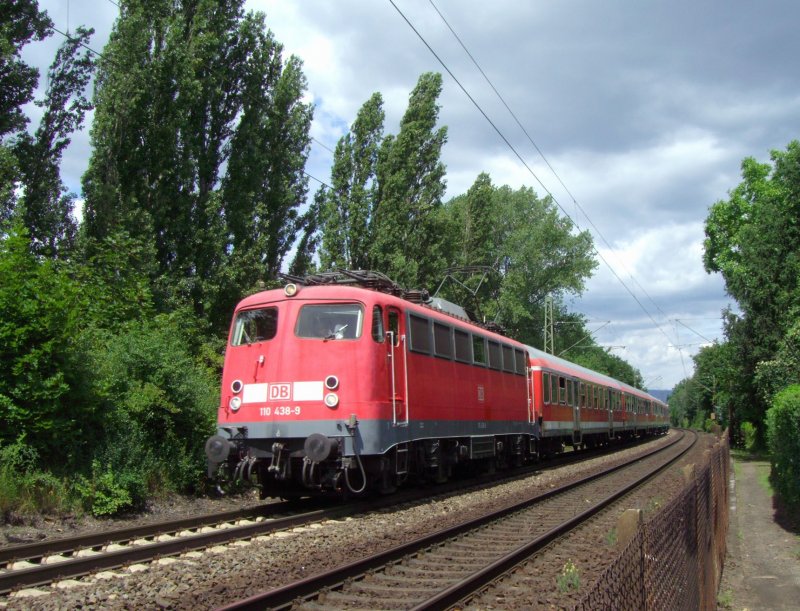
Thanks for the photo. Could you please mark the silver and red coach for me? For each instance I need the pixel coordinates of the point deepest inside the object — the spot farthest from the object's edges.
(345, 383)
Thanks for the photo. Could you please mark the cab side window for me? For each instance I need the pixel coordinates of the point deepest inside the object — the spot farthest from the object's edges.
(377, 324)
(394, 326)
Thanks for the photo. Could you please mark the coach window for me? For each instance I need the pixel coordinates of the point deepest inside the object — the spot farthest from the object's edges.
(508, 359)
(545, 387)
(377, 324)
(597, 397)
(478, 350)
(420, 334)
(442, 344)
(562, 390)
(495, 358)
(571, 388)
(255, 326)
(463, 349)
(520, 362)
(553, 388)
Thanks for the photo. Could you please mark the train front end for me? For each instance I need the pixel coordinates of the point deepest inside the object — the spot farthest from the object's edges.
(298, 386)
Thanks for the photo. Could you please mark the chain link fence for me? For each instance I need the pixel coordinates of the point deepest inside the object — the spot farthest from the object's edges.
(675, 560)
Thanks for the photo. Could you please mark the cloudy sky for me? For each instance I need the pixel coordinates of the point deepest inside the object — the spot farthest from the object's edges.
(643, 109)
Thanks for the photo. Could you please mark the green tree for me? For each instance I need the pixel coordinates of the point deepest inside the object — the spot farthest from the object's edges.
(753, 240)
(411, 183)
(533, 250)
(347, 211)
(45, 208)
(21, 22)
(43, 390)
(784, 369)
(783, 435)
(185, 92)
(265, 183)
(303, 262)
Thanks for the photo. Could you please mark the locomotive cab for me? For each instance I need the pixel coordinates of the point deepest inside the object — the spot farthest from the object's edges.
(306, 388)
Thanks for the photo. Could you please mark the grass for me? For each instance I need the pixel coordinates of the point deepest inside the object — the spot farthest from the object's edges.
(725, 599)
(737, 469)
(611, 537)
(569, 580)
(653, 505)
(763, 480)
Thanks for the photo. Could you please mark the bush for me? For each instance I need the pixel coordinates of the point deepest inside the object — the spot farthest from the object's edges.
(25, 489)
(783, 438)
(159, 404)
(103, 494)
(749, 436)
(41, 364)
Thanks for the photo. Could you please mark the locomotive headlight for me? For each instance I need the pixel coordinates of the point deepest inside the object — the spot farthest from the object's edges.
(236, 386)
(331, 399)
(235, 403)
(331, 382)
(290, 290)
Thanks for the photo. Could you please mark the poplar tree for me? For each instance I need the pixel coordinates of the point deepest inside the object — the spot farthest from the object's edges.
(45, 207)
(199, 141)
(411, 183)
(21, 22)
(347, 209)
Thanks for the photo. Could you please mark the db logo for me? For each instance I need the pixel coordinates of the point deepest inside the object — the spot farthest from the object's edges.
(280, 392)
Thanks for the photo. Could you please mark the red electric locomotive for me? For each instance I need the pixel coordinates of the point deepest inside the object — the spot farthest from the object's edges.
(333, 386)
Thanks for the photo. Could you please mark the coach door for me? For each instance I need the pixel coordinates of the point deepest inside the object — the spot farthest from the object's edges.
(574, 391)
(396, 345)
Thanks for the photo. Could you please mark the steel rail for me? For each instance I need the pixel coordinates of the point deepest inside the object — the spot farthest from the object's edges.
(40, 549)
(284, 597)
(464, 589)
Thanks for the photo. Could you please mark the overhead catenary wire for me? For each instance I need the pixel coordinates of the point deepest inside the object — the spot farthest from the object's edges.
(544, 158)
(525, 164)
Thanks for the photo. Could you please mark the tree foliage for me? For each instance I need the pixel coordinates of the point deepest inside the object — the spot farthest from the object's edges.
(410, 187)
(21, 22)
(199, 141)
(45, 207)
(532, 252)
(753, 240)
(783, 435)
(347, 210)
(42, 378)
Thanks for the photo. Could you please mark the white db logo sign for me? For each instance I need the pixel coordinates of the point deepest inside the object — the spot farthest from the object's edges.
(280, 392)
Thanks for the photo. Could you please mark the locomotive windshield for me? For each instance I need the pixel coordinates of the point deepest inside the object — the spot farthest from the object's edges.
(330, 321)
(255, 326)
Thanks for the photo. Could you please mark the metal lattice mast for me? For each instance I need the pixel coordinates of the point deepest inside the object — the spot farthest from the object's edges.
(549, 326)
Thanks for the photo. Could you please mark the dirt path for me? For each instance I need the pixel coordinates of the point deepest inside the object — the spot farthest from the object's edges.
(762, 568)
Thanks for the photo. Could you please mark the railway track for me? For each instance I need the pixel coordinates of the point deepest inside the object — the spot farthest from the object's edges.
(444, 568)
(52, 560)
